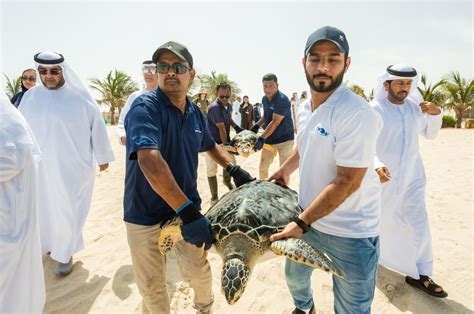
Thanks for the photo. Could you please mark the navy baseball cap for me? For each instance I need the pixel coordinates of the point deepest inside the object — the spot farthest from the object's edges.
(329, 33)
(178, 49)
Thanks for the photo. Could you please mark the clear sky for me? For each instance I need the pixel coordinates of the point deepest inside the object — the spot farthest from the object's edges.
(243, 39)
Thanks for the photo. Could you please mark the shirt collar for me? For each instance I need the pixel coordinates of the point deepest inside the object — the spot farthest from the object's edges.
(162, 96)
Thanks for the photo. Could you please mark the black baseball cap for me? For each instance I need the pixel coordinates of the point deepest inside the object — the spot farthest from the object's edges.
(331, 34)
(178, 49)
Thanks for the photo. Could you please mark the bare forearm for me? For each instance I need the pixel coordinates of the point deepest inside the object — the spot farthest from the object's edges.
(220, 156)
(162, 181)
(271, 127)
(329, 199)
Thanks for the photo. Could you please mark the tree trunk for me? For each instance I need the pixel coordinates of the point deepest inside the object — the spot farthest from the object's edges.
(112, 113)
(459, 113)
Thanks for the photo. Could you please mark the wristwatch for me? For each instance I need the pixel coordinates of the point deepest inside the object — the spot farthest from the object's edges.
(305, 227)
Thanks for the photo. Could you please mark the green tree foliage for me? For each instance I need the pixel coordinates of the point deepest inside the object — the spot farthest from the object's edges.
(356, 89)
(431, 92)
(12, 86)
(210, 82)
(460, 94)
(114, 90)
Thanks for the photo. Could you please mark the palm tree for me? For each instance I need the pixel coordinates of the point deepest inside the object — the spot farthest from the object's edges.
(356, 89)
(13, 86)
(460, 95)
(210, 82)
(195, 85)
(114, 90)
(371, 95)
(432, 93)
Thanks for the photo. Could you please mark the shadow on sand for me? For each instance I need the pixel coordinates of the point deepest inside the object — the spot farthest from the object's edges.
(124, 278)
(409, 299)
(62, 292)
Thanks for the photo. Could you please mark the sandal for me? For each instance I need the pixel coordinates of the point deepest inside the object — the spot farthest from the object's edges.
(432, 286)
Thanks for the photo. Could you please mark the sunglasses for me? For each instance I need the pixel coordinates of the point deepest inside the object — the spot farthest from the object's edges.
(149, 69)
(178, 68)
(224, 97)
(52, 71)
(28, 78)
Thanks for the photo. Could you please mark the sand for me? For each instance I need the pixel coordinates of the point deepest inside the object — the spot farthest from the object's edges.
(102, 280)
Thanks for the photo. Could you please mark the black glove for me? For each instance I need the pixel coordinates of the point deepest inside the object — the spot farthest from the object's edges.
(240, 175)
(238, 129)
(259, 144)
(255, 128)
(196, 229)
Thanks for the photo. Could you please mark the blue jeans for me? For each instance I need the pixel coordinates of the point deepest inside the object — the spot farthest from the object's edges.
(355, 258)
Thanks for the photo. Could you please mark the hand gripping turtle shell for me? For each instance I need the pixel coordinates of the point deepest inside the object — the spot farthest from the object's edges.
(242, 222)
(242, 143)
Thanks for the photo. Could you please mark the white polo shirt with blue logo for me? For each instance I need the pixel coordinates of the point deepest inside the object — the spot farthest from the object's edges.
(343, 132)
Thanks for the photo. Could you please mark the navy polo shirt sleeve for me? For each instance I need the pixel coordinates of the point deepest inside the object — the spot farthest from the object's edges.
(142, 128)
(207, 139)
(216, 115)
(281, 105)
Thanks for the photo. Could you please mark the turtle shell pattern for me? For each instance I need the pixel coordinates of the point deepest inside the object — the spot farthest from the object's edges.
(255, 211)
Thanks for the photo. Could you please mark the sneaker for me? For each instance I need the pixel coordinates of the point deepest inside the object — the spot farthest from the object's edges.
(63, 269)
(298, 311)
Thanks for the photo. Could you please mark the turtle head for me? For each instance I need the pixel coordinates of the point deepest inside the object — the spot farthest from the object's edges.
(235, 275)
(245, 149)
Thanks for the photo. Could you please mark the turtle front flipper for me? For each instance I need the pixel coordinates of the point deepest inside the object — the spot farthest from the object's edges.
(169, 235)
(231, 149)
(301, 252)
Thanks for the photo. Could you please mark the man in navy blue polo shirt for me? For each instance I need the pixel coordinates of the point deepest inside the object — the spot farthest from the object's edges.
(165, 133)
(278, 135)
(219, 117)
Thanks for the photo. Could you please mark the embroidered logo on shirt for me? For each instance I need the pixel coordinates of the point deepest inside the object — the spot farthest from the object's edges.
(197, 128)
(143, 140)
(321, 130)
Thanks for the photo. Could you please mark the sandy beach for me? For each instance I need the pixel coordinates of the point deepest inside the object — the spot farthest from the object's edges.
(103, 282)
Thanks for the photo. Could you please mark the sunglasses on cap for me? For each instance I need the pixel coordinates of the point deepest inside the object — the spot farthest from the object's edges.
(43, 71)
(178, 68)
(28, 78)
(149, 69)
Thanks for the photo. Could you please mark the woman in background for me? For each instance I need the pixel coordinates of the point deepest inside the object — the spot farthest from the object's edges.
(28, 80)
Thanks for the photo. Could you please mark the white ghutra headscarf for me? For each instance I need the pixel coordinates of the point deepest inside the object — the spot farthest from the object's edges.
(398, 72)
(49, 59)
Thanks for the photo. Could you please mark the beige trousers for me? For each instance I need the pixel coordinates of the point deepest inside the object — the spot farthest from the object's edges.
(150, 269)
(284, 151)
(211, 165)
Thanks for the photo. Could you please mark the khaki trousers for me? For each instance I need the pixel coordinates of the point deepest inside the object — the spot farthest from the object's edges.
(150, 269)
(284, 151)
(211, 165)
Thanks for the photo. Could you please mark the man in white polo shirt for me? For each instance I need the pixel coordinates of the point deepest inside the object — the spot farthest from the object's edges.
(337, 135)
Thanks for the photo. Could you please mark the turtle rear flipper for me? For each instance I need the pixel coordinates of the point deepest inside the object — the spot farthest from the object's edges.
(301, 252)
(169, 235)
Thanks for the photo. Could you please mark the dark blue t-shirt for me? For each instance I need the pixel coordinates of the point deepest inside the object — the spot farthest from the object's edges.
(217, 113)
(280, 104)
(153, 122)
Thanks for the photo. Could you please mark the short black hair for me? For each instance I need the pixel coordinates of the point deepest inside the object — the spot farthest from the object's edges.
(223, 85)
(270, 77)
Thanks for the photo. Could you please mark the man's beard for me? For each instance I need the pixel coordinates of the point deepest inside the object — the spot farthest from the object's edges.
(323, 88)
(400, 96)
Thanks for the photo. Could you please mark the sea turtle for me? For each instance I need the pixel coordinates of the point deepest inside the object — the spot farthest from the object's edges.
(242, 143)
(242, 222)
